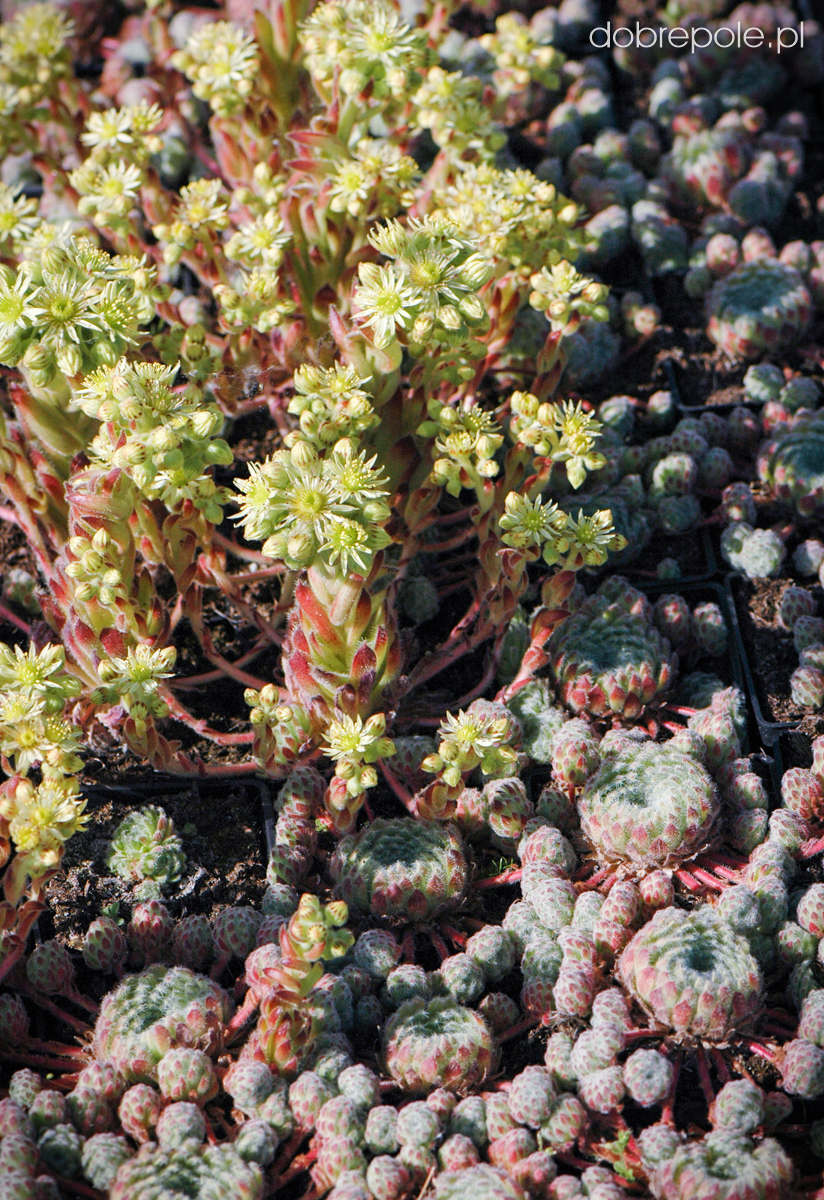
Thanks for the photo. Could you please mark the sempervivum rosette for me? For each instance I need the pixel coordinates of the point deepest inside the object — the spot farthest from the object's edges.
(793, 465)
(437, 1044)
(762, 305)
(691, 972)
(401, 868)
(188, 1170)
(608, 658)
(151, 1013)
(725, 1166)
(648, 806)
(481, 1182)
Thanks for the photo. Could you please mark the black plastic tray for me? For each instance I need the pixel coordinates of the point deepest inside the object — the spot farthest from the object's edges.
(709, 572)
(695, 410)
(768, 731)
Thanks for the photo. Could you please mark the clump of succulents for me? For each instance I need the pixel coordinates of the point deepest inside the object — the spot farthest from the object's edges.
(145, 847)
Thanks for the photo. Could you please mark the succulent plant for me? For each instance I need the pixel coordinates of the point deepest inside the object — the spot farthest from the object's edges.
(179, 1123)
(160, 1009)
(608, 658)
(437, 1044)
(648, 1077)
(24, 1086)
(739, 1107)
(702, 168)
(186, 1074)
(150, 931)
(603, 1090)
(234, 931)
(192, 942)
(757, 552)
(50, 969)
(105, 947)
(763, 382)
(792, 465)
(539, 717)
(14, 1021)
(710, 628)
(401, 867)
(145, 846)
(482, 1181)
(727, 1165)
(649, 807)
(531, 1096)
(762, 306)
(387, 1178)
(60, 1148)
(692, 973)
(101, 1158)
(808, 557)
(197, 1172)
(807, 687)
(493, 949)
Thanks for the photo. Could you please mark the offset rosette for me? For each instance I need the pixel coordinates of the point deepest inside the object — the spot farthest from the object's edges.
(608, 658)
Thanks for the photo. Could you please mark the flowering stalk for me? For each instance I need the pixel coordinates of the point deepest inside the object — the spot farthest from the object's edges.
(36, 819)
(288, 1024)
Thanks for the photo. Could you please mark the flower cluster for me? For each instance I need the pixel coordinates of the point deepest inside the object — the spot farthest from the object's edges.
(303, 507)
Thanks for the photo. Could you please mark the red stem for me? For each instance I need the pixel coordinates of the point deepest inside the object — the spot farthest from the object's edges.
(707, 879)
(684, 877)
(397, 787)
(521, 1027)
(202, 727)
(13, 619)
(666, 1111)
(761, 1050)
(704, 1076)
(73, 1022)
(189, 681)
(510, 876)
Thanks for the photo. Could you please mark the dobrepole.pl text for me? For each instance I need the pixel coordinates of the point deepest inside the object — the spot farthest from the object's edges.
(698, 37)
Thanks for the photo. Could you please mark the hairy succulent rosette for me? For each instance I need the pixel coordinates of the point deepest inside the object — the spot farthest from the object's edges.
(189, 1170)
(608, 658)
(762, 305)
(648, 806)
(437, 1044)
(724, 1166)
(480, 1182)
(692, 973)
(401, 867)
(702, 167)
(145, 846)
(793, 465)
(151, 1013)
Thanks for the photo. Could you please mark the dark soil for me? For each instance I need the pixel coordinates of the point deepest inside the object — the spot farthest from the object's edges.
(220, 826)
(770, 650)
